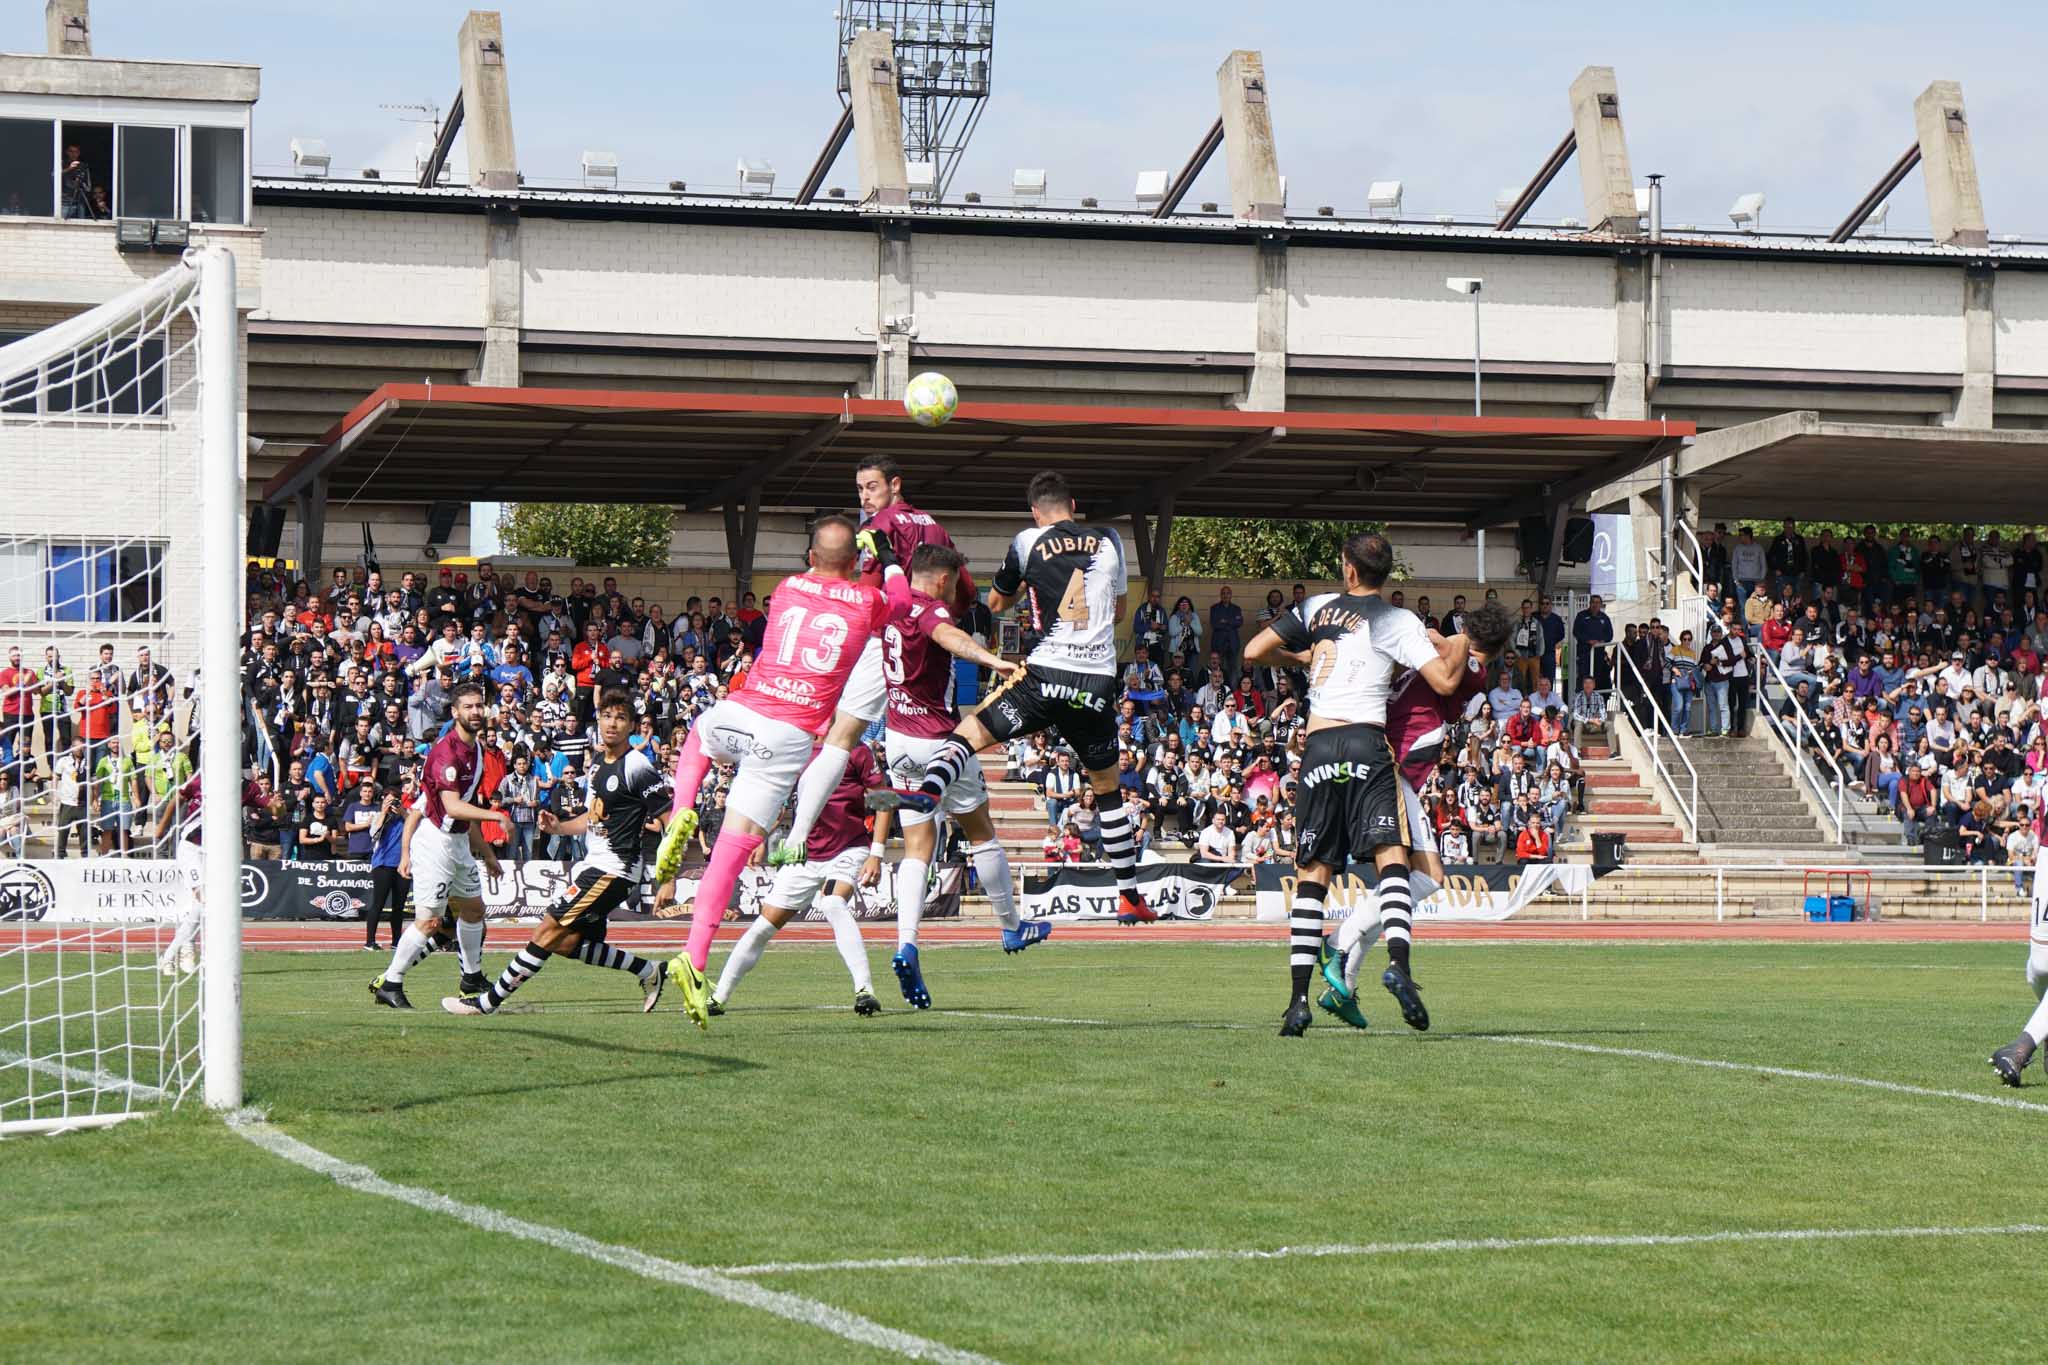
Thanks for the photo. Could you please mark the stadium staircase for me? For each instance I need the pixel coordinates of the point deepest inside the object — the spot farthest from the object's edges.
(1619, 800)
(1753, 807)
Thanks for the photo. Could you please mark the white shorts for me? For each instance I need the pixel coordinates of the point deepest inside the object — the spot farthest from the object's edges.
(443, 869)
(796, 885)
(908, 755)
(867, 690)
(1421, 834)
(192, 863)
(771, 755)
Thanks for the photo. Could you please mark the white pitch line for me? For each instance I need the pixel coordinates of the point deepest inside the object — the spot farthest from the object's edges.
(98, 1080)
(1021, 1018)
(795, 1308)
(1789, 1073)
(1444, 1246)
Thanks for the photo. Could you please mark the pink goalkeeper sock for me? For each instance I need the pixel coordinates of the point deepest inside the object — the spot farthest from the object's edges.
(691, 765)
(714, 893)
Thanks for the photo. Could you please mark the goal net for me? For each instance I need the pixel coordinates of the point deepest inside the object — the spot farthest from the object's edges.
(120, 605)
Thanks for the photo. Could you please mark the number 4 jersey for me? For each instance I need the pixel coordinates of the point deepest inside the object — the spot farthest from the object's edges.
(1071, 577)
(817, 627)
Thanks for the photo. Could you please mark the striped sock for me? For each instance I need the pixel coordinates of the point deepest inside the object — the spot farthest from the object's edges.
(618, 959)
(517, 973)
(1305, 935)
(945, 766)
(1117, 844)
(1396, 906)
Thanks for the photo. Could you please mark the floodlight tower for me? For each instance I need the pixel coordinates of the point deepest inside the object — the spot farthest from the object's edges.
(944, 53)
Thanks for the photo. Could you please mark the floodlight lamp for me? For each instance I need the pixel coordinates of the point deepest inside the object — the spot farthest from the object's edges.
(133, 234)
(1152, 187)
(1748, 212)
(1028, 184)
(600, 170)
(1875, 222)
(923, 177)
(1463, 284)
(1384, 196)
(1642, 201)
(756, 177)
(309, 157)
(1504, 201)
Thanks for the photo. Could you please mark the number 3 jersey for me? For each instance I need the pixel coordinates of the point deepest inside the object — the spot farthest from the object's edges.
(919, 670)
(1071, 577)
(817, 627)
(1354, 642)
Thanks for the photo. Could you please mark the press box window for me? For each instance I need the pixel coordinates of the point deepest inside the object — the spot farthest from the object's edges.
(28, 167)
(218, 188)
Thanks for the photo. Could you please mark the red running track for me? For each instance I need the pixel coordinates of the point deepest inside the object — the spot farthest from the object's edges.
(348, 937)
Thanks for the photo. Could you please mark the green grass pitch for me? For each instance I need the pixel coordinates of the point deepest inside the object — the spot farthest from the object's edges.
(794, 1133)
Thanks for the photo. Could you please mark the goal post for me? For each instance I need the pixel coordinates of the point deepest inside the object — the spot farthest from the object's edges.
(121, 616)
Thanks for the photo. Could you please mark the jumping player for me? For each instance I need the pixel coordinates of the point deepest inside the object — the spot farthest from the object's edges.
(1418, 718)
(844, 856)
(818, 624)
(885, 513)
(1074, 583)
(625, 791)
(1350, 802)
(2011, 1060)
(917, 658)
(443, 842)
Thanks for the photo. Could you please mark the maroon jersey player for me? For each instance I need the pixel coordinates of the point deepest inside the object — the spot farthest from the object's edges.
(891, 519)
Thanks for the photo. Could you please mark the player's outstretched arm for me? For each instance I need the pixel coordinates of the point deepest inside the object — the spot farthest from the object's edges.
(1267, 648)
(551, 823)
(460, 809)
(412, 822)
(481, 850)
(961, 645)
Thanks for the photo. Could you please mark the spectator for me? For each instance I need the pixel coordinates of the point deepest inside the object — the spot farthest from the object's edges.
(1525, 645)
(1084, 822)
(1787, 560)
(1685, 682)
(1532, 845)
(1589, 710)
(1063, 787)
(1748, 562)
(1216, 843)
(1226, 633)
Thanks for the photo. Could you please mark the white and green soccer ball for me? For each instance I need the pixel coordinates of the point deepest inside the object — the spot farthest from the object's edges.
(930, 399)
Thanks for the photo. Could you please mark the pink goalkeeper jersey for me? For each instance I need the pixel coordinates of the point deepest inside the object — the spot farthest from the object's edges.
(817, 627)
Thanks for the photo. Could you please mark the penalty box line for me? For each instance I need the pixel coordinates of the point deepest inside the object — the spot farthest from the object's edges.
(251, 1125)
(1444, 1246)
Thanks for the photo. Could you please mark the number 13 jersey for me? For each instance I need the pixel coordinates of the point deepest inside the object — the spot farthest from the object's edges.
(1354, 641)
(817, 627)
(1071, 577)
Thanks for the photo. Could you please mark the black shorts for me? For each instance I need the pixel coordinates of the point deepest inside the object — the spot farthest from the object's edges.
(1077, 705)
(592, 897)
(1348, 804)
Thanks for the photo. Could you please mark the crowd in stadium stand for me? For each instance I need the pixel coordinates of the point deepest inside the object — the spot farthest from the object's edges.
(1915, 664)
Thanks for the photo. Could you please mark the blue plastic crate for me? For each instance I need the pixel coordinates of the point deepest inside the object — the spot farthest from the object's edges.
(1841, 909)
(1817, 909)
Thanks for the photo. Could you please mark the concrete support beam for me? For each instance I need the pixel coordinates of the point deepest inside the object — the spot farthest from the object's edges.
(1604, 178)
(1980, 349)
(504, 299)
(312, 517)
(68, 28)
(487, 102)
(894, 301)
(1154, 537)
(1266, 390)
(872, 77)
(742, 533)
(1255, 191)
(1628, 391)
(1948, 168)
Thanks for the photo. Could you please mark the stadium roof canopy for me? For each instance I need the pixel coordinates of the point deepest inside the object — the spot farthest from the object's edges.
(417, 442)
(1800, 466)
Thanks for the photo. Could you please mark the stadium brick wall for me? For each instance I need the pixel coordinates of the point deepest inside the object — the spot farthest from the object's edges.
(2022, 332)
(74, 264)
(417, 269)
(697, 280)
(1020, 291)
(1803, 316)
(1393, 303)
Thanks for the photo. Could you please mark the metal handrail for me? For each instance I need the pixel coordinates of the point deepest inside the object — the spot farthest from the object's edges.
(1688, 800)
(1832, 801)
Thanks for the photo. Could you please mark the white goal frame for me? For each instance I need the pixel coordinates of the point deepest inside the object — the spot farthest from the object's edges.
(204, 284)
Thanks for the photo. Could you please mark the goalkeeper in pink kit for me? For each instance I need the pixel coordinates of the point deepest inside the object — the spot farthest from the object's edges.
(818, 624)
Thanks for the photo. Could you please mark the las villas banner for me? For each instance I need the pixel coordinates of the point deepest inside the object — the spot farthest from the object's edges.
(1471, 891)
(129, 890)
(1175, 890)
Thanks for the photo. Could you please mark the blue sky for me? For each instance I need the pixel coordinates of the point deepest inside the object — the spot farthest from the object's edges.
(1793, 99)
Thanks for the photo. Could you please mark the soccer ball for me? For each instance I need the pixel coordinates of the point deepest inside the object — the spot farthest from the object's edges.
(930, 399)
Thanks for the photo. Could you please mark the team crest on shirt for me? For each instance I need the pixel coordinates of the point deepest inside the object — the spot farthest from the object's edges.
(611, 784)
(449, 775)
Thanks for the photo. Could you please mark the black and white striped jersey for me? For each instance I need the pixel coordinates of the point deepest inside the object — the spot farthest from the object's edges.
(1071, 577)
(1354, 642)
(624, 793)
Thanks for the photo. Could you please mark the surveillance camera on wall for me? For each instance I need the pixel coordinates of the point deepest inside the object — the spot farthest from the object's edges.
(1459, 284)
(433, 555)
